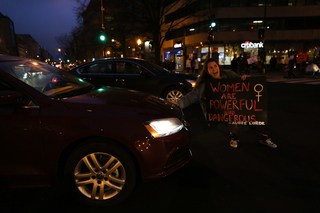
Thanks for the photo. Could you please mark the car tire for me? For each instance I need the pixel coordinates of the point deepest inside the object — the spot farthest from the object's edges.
(100, 174)
(174, 93)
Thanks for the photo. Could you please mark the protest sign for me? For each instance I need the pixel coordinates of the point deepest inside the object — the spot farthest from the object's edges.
(252, 60)
(234, 101)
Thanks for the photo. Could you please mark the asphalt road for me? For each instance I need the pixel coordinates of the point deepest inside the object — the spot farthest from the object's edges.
(251, 178)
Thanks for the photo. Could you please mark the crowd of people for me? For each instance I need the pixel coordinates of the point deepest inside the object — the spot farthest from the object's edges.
(193, 65)
(169, 65)
(240, 65)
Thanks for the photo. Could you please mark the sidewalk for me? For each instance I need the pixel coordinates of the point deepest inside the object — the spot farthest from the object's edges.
(269, 75)
(282, 75)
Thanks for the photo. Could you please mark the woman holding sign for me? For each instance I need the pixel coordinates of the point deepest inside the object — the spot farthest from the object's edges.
(211, 70)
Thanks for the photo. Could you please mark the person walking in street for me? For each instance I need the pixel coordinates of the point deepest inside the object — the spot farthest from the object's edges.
(273, 63)
(241, 64)
(188, 65)
(211, 69)
(291, 67)
(234, 63)
(193, 64)
(196, 68)
(247, 66)
(259, 65)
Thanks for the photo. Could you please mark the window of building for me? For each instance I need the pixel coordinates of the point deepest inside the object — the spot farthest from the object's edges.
(247, 24)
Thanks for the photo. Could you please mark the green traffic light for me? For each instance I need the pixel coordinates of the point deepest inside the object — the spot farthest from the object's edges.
(102, 37)
(213, 24)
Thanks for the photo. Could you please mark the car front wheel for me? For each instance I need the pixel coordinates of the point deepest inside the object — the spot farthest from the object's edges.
(174, 94)
(100, 174)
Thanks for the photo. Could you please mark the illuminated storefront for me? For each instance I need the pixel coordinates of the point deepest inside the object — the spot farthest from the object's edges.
(248, 30)
(175, 55)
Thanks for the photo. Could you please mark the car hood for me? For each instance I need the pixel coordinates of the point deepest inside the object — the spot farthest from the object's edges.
(118, 100)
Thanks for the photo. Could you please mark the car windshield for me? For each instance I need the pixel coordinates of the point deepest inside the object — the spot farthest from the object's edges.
(50, 81)
(154, 67)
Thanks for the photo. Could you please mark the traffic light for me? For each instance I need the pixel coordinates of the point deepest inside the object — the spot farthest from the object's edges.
(213, 24)
(261, 33)
(102, 37)
(210, 36)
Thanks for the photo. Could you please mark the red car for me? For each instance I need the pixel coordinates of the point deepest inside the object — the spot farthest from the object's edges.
(100, 140)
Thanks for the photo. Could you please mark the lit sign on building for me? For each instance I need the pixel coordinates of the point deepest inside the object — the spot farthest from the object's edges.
(177, 45)
(249, 44)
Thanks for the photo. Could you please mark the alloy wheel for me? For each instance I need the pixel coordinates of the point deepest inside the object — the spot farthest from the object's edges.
(99, 176)
(174, 95)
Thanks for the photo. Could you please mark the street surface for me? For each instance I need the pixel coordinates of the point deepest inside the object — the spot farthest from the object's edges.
(251, 178)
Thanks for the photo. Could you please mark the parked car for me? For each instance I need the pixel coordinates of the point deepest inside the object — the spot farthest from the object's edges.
(136, 74)
(100, 141)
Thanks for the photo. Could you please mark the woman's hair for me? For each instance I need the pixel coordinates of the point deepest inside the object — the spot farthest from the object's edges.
(204, 73)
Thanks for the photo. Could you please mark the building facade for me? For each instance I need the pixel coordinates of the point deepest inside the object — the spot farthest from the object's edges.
(28, 47)
(252, 28)
(22, 45)
(8, 44)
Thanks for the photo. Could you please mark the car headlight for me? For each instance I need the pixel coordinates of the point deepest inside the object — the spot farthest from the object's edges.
(192, 82)
(163, 127)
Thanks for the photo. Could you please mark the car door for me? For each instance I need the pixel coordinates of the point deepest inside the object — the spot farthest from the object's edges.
(133, 76)
(22, 153)
(98, 73)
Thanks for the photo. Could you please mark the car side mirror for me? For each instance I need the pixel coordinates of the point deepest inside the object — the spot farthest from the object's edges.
(10, 97)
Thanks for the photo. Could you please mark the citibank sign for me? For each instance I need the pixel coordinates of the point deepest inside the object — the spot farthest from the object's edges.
(249, 44)
(177, 45)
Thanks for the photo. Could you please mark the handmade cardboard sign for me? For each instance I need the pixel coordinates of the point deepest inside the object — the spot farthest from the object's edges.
(234, 101)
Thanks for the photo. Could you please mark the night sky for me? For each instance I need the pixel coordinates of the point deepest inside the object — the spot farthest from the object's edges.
(44, 20)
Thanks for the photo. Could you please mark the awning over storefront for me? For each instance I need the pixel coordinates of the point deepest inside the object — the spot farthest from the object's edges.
(175, 50)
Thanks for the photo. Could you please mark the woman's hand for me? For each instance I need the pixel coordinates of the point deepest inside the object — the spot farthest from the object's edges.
(243, 77)
(172, 102)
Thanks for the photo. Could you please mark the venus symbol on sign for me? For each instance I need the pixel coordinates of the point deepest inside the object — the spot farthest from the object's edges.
(258, 91)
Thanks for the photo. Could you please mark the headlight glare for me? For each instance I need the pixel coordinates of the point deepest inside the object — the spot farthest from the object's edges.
(164, 127)
(192, 82)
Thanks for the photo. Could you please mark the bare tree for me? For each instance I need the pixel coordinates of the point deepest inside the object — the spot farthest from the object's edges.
(120, 21)
(64, 40)
(153, 21)
(114, 18)
(72, 43)
(125, 19)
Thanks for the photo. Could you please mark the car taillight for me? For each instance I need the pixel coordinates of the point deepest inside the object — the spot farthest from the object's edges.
(55, 80)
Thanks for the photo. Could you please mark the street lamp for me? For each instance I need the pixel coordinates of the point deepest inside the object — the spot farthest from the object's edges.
(60, 55)
(139, 48)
